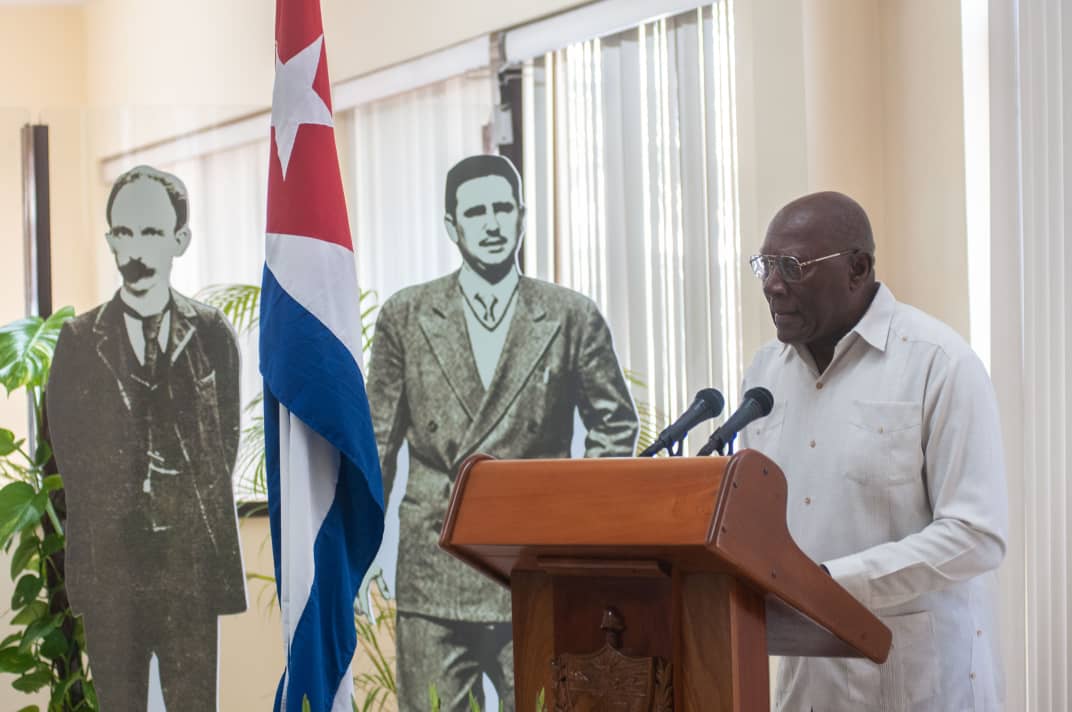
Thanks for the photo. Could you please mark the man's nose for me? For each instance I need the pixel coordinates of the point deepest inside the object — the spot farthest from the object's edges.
(774, 283)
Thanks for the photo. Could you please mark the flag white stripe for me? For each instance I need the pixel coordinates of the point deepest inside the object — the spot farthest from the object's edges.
(308, 474)
(342, 701)
(315, 273)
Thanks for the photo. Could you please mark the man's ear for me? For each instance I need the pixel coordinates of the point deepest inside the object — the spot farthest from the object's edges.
(112, 241)
(452, 228)
(182, 237)
(862, 265)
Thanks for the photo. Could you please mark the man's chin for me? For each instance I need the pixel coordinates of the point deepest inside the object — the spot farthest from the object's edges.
(789, 335)
(493, 263)
(139, 288)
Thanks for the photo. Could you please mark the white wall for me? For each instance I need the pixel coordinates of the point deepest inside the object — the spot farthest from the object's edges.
(885, 125)
(46, 80)
(864, 97)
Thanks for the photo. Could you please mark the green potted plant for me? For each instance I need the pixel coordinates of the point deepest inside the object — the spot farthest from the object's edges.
(46, 651)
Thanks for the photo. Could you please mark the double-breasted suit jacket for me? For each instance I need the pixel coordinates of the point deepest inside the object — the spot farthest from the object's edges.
(97, 411)
(424, 388)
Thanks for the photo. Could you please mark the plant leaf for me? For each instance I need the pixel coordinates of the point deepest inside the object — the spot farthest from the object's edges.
(35, 610)
(240, 303)
(26, 550)
(26, 348)
(12, 661)
(52, 544)
(7, 442)
(39, 629)
(55, 645)
(33, 681)
(26, 590)
(43, 454)
(59, 694)
(20, 505)
(90, 691)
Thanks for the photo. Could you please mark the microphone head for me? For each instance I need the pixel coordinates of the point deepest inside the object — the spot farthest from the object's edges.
(712, 399)
(763, 398)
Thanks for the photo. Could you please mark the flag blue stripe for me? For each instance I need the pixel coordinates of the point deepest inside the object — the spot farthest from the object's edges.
(314, 375)
(325, 640)
(310, 372)
(271, 467)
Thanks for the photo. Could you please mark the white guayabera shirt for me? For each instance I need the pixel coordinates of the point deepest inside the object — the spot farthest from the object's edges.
(897, 484)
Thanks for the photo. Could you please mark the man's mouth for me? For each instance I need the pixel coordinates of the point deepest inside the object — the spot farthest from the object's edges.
(493, 243)
(781, 317)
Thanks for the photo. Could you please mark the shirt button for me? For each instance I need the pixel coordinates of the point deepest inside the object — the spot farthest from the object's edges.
(979, 633)
(812, 443)
(972, 676)
(904, 338)
(819, 385)
(881, 429)
(807, 500)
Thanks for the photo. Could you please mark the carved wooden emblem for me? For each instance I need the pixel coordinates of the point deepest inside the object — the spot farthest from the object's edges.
(610, 681)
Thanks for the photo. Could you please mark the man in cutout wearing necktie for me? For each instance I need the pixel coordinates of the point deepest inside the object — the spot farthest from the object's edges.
(144, 421)
(481, 360)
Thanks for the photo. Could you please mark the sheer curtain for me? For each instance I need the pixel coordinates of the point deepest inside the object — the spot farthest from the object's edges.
(228, 193)
(1031, 302)
(402, 147)
(630, 172)
(1044, 36)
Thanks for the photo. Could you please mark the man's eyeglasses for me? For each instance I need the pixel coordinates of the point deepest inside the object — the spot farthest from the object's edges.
(791, 269)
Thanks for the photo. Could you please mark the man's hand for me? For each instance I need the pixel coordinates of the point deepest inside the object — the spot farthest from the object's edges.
(363, 604)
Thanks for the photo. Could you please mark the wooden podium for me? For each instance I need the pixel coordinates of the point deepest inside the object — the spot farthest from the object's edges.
(650, 585)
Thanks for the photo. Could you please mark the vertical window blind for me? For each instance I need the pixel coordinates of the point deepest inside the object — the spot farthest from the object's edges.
(630, 168)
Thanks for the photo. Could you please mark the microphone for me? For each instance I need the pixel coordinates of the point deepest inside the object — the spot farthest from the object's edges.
(707, 404)
(757, 403)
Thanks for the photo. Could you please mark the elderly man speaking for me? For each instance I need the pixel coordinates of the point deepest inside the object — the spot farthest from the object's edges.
(886, 425)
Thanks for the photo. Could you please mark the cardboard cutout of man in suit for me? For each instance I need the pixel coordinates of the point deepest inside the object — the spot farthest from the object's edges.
(481, 360)
(144, 420)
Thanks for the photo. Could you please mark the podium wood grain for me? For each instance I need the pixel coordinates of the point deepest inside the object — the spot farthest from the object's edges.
(694, 553)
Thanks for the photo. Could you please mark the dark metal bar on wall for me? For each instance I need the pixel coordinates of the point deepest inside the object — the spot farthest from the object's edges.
(37, 231)
(510, 110)
(37, 227)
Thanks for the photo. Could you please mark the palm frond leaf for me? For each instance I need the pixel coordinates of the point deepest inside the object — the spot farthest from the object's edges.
(651, 419)
(239, 302)
(252, 468)
(26, 348)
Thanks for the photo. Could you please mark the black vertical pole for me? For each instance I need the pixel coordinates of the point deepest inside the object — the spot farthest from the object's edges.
(37, 239)
(510, 104)
(37, 229)
(37, 225)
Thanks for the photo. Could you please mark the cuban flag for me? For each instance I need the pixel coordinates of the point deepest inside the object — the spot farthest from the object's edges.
(325, 496)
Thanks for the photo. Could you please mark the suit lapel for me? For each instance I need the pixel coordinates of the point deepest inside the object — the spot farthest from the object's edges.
(531, 331)
(110, 330)
(443, 323)
(183, 325)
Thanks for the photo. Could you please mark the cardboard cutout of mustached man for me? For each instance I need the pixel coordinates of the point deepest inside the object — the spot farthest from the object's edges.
(144, 419)
(481, 360)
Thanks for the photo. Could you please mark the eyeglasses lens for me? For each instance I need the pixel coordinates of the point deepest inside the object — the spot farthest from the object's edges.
(788, 267)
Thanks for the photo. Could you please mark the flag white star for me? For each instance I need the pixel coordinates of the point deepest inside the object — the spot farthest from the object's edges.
(294, 102)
